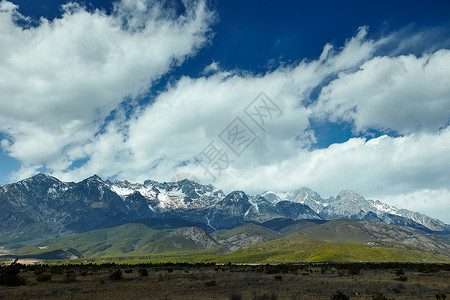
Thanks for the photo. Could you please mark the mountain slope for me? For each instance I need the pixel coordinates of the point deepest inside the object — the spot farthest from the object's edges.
(289, 226)
(244, 235)
(363, 232)
(104, 242)
(125, 240)
(336, 240)
(294, 249)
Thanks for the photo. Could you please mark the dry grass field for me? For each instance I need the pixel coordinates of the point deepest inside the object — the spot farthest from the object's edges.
(228, 282)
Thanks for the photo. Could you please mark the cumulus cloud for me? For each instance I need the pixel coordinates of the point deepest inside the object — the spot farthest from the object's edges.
(376, 167)
(403, 94)
(163, 138)
(61, 78)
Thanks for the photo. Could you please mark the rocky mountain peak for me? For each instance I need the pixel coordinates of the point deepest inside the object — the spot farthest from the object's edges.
(349, 196)
(40, 178)
(236, 196)
(94, 178)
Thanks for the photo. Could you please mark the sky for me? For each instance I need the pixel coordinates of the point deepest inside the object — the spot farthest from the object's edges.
(246, 95)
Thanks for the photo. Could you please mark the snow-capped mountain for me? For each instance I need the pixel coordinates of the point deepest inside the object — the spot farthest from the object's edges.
(43, 206)
(166, 196)
(350, 205)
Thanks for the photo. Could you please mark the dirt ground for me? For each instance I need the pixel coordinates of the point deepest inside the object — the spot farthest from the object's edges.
(228, 282)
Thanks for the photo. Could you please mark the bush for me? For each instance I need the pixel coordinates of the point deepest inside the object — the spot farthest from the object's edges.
(9, 275)
(210, 283)
(234, 296)
(44, 277)
(340, 296)
(56, 270)
(440, 296)
(401, 278)
(379, 296)
(143, 272)
(116, 274)
(278, 278)
(354, 270)
(128, 271)
(399, 272)
(39, 271)
(70, 277)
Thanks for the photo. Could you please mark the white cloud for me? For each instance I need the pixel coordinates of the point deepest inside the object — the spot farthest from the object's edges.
(194, 111)
(211, 68)
(62, 78)
(404, 94)
(378, 167)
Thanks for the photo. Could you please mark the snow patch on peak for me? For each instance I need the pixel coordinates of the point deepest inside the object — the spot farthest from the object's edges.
(147, 192)
(383, 207)
(121, 191)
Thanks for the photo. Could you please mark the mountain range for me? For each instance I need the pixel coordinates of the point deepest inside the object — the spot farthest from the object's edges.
(185, 215)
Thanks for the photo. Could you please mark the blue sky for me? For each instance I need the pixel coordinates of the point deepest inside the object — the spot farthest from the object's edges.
(138, 89)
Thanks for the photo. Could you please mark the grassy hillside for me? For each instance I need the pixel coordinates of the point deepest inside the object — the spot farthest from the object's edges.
(296, 225)
(125, 240)
(297, 250)
(250, 229)
(167, 245)
(361, 232)
(333, 241)
(104, 242)
(292, 249)
(337, 231)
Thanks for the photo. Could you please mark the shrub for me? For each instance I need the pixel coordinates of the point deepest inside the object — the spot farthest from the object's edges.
(116, 274)
(354, 270)
(39, 271)
(70, 277)
(440, 296)
(56, 270)
(128, 271)
(210, 283)
(379, 296)
(399, 272)
(401, 278)
(9, 275)
(143, 272)
(44, 277)
(340, 296)
(278, 278)
(234, 296)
